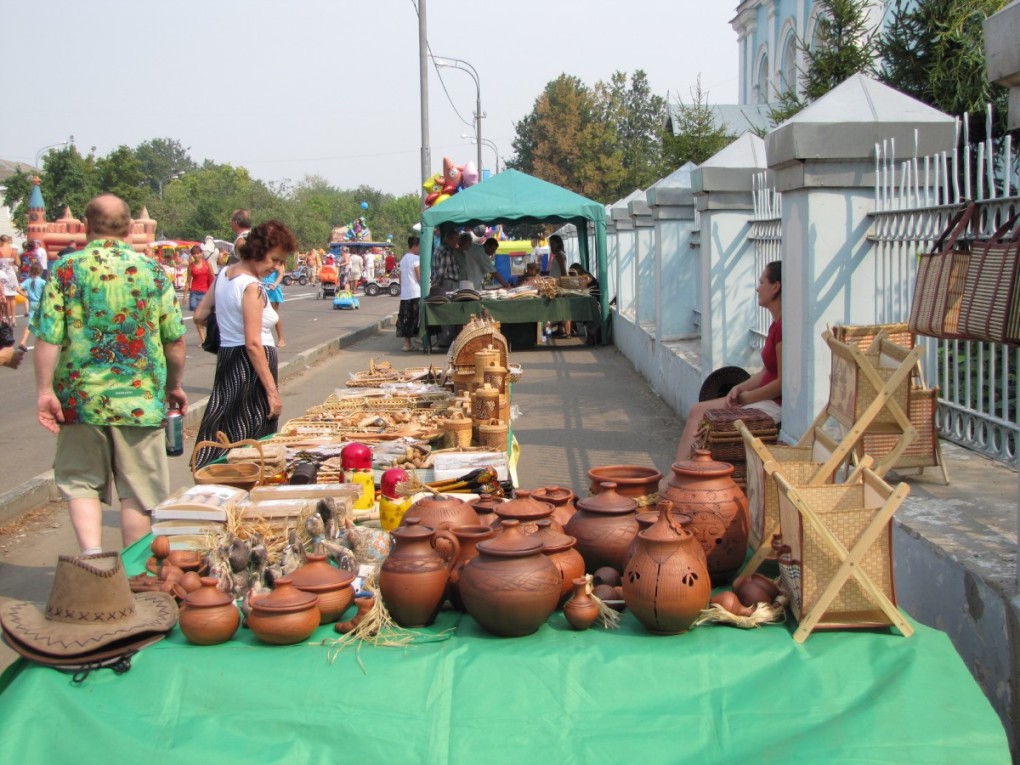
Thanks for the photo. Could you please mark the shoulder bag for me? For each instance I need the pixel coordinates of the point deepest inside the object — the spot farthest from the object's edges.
(211, 343)
(991, 292)
(941, 274)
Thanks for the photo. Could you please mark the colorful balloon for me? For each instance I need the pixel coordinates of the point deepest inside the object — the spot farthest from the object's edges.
(431, 198)
(435, 183)
(442, 198)
(364, 205)
(470, 175)
(451, 173)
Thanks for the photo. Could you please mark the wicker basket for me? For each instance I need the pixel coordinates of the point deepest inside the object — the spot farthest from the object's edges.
(717, 434)
(456, 432)
(242, 475)
(477, 335)
(493, 435)
(574, 282)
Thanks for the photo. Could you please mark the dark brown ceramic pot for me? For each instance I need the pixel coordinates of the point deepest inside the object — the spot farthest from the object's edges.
(284, 616)
(442, 512)
(559, 548)
(665, 584)
(469, 537)
(635, 481)
(754, 589)
(705, 490)
(209, 616)
(485, 507)
(331, 585)
(562, 500)
(581, 610)
(413, 578)
(511, 588)
(604, 526)
(527, 510)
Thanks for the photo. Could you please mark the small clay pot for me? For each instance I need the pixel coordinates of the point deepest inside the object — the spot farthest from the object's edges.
(186, 560)
(756, 588)
(160, 547)
(486, 506)
(604, 526)
(731, 603)
(442, 512)
(208, 616)
(190, 581)
(331, 585)
(562, 500)
(635, 481)
(607, 575)
(581, 610)
(527, 510)
(284, 616)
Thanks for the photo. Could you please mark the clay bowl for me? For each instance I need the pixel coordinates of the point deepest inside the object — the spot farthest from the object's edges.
(241, 475)
(285, 616)
(634, 481)
(208, 616)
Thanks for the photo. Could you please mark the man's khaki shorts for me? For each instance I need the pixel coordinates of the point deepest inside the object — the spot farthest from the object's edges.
(92, 459)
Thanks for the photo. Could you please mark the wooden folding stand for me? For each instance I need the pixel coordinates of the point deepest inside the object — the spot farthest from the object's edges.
(836, 562)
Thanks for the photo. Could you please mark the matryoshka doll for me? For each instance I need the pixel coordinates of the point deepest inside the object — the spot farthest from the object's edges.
(391, 505)
(357, 464)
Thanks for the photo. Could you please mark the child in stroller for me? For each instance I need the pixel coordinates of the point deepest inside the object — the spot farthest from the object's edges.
(329, 279)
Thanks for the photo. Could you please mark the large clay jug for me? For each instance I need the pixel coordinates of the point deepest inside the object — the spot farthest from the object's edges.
(511, 588)
(442, 512)
(413, 578)
(604, 526)
(665, 584)
(705, 490)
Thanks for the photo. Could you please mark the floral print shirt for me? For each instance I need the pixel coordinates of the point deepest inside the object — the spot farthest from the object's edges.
(110, 310)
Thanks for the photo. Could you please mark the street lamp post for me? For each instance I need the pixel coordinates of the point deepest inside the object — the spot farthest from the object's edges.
(490, 144)
(172, 177)
(39, 153)
(464, 66)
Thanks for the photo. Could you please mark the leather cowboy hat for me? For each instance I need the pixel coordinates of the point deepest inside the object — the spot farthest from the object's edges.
(91, 607)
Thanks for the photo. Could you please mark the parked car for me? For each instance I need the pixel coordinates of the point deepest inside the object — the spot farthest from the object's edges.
(299, 275)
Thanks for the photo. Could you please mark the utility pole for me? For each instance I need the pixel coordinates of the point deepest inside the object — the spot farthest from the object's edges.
(423, 69)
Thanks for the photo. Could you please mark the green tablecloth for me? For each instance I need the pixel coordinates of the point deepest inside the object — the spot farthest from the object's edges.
(714, 695)
(533, 310)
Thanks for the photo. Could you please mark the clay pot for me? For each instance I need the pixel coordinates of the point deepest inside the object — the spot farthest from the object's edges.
(665, 584)
(284, 616)
(648, 518)
(604, 526)
(190, 581)
(364, 605)
(331, 585)
(186, 560)
(441, 512)
(581, 610)
(562, 500)
(413, 579)
(208, 616)
(634, 481)
(511, 588)
(527, 510)
(754, 589)
(469, 537)
(160, 547)
(705, 490)
(559, 548)
(485, 507)
(731, 603)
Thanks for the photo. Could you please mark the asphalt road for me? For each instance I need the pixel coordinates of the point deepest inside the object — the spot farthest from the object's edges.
(27, 449)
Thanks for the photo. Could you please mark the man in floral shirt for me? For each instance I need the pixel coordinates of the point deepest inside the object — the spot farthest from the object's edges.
(109, 357)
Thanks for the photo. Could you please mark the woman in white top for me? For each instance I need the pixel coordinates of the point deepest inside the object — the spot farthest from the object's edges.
(410, 293)
(245, 400)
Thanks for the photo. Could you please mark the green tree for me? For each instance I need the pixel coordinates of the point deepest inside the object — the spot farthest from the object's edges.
(200, 203)
(68, 180)
(638, 117)
(16, 191)
(119, 173)
(160, 159)
(697, 133)
(933, 50)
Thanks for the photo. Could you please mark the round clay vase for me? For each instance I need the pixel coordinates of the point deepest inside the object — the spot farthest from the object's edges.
(331, 585)
(485, 507)
(442, 512)
(208, 616)
(413, 579)
(754, 589)
(649, 517)
(284, 616)
(635, 481)
(527, 510)
(469, 537)
(604, 525)
(559, 548)
(705, 490)
(581, 610)
(562, 500)
(511, 588)
(665, 585)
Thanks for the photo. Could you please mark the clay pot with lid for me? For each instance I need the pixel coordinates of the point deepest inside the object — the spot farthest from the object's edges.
(648, 518)
(705, 490)
(526, 509)
(208, 616)
(331, 585)
(485, 507)
(562, 500)
(604, 525)
(441, 512)
(511, 588)
(413, 578)
(559, 547)
(469, 537)
(284, 616)
(635, 481)
(665, 584)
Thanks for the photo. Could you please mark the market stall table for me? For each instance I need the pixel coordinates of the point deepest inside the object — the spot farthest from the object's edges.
(459, 695)
(524, 311)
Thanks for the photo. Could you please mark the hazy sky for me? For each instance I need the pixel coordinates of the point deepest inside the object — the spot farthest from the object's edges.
(289, 88)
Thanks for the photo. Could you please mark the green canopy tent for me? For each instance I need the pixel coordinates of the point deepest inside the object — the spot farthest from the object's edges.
(515, 197)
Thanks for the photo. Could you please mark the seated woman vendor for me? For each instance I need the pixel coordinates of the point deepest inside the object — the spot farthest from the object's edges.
(764, 389)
